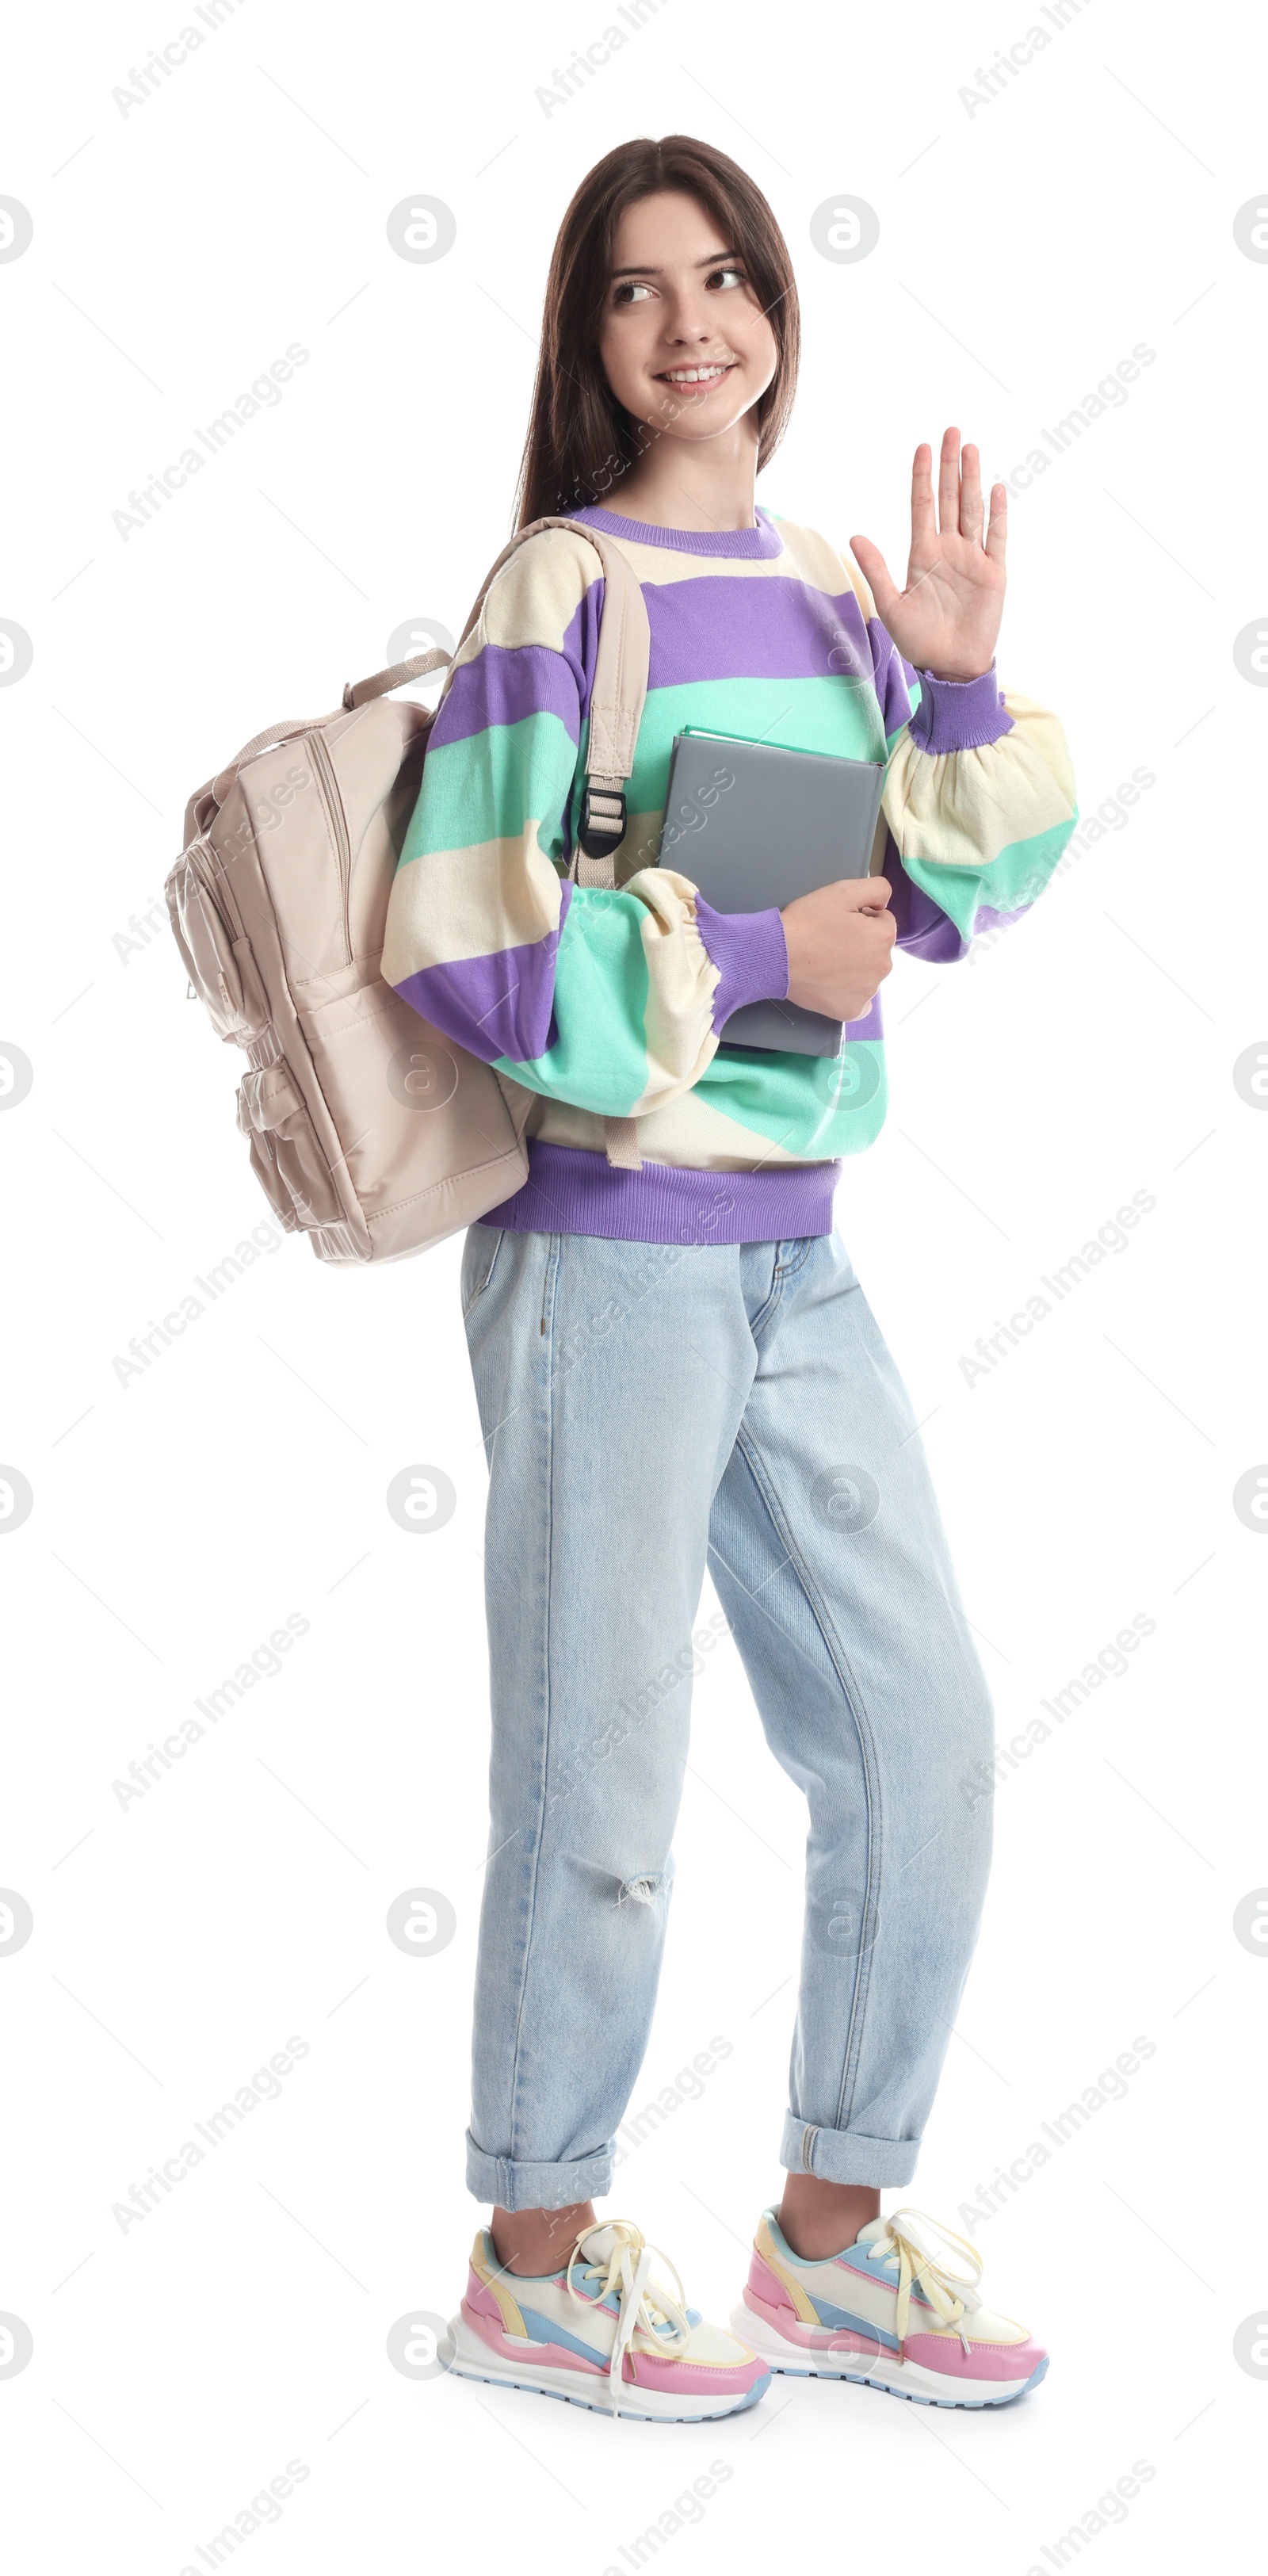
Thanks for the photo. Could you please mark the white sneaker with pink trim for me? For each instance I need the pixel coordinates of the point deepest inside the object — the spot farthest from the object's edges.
(892, 2310)
(601, 2333)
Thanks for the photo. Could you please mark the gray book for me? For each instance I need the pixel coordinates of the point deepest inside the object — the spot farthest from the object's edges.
(751, 825)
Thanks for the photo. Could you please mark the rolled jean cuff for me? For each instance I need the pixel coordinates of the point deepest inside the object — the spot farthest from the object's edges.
(505, 2184)
(845, 2155)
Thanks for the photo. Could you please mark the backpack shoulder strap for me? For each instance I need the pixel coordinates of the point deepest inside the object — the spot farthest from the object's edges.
(616, 711)
(616, 700)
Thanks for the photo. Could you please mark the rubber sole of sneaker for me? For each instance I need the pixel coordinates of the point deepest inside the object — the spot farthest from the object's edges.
(919, 2387)
(473, 2360)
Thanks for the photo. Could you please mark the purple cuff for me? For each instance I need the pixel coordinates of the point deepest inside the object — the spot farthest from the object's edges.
(751, 954)
(959, 715)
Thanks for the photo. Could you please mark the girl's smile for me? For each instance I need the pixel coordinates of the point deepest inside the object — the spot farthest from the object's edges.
(699, 379)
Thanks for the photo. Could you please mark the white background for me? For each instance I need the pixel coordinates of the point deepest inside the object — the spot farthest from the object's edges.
(1024, 250)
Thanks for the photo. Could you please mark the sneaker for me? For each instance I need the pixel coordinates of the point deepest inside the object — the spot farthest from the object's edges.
(599, 2333)
(890, 2311)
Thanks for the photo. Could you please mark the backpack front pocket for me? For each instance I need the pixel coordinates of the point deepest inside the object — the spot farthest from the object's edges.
(220, 966)
(285, 1153)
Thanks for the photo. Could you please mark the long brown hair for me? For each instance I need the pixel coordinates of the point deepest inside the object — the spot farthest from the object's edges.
(581, 440)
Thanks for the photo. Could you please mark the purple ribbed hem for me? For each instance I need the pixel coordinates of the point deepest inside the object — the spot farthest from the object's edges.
(959, 715)
(571, 1191)
(751, 954)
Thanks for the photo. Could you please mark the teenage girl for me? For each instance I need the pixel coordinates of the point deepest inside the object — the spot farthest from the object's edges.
(674, 1362)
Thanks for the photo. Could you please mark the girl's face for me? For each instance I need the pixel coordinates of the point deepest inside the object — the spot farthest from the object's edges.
(684, 342)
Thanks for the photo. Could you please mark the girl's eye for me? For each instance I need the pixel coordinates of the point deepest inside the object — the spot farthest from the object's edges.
(632, 290)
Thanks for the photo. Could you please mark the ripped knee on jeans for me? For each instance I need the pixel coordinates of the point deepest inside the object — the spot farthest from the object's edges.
(643, 1890)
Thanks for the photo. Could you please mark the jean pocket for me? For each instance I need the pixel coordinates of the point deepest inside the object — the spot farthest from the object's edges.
(479, 1263)
(792, 1256)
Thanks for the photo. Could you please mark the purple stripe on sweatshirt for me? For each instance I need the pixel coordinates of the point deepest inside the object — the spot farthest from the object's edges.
(493, 1006)
(715, 628)
(504, 684)
(870, 1026)
(893, 677)
(924, 930)
(751, 954)
(986, 918)
(936, 939)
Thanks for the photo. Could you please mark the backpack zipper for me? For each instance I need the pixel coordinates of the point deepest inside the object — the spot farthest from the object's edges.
(213, 877)
(325, 774)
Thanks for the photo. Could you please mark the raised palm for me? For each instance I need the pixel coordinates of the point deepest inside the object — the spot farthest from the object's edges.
(947, 617)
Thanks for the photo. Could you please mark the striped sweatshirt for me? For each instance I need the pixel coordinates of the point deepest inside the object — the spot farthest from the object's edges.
(609, 1004)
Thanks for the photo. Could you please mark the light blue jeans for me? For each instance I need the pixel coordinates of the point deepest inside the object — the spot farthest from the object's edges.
(649, 1409)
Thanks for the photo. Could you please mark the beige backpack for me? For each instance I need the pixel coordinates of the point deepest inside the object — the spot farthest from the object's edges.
(370, 1132)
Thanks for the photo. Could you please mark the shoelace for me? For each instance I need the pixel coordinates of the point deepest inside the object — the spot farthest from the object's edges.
(628, 2265)
(920, 2266)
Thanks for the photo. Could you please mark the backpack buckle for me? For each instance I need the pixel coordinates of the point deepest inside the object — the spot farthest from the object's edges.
(602, 819)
